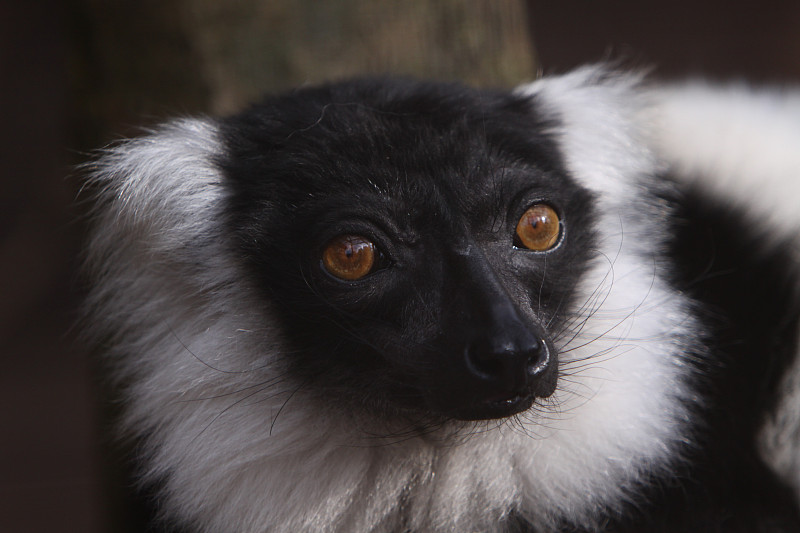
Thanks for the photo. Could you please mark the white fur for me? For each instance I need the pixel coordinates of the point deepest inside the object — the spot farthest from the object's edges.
(242, 448)
(742, 143)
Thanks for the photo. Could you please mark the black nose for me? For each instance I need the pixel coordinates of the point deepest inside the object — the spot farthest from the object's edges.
(502, 374)
(507, 365)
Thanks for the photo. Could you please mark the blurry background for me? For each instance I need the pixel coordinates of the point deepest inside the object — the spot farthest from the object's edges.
(77, 74)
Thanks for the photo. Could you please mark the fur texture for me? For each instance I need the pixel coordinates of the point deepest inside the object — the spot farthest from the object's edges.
(235, 439)
(740, 144)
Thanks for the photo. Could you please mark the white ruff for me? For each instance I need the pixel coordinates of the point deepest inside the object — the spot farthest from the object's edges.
(241, 448)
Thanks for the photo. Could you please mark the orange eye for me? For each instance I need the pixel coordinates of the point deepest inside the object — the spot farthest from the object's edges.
(349, 257)
(539, 228)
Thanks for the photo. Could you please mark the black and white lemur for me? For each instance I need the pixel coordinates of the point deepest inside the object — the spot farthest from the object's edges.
(383, 305)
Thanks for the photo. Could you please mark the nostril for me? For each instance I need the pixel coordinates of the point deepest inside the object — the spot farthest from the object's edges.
(538, 359)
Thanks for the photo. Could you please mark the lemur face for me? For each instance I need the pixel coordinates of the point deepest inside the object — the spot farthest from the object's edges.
(420, 248)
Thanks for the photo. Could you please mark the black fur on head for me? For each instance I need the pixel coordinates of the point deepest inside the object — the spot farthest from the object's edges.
(455, 318)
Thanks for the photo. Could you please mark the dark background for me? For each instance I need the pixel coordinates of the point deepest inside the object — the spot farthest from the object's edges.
(76, 74)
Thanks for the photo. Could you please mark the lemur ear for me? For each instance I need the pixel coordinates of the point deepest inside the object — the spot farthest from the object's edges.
(158, 209)
(160, 185)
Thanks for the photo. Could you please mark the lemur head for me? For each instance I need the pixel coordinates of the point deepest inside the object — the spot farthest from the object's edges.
(420, 248)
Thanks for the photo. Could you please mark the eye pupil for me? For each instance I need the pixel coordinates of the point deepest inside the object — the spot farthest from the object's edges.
(539, 228)
(349, 257)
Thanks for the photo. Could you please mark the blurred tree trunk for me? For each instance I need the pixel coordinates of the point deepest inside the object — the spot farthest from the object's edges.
(247, 47)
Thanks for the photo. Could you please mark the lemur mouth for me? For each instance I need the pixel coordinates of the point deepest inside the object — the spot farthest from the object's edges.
(500, 406)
